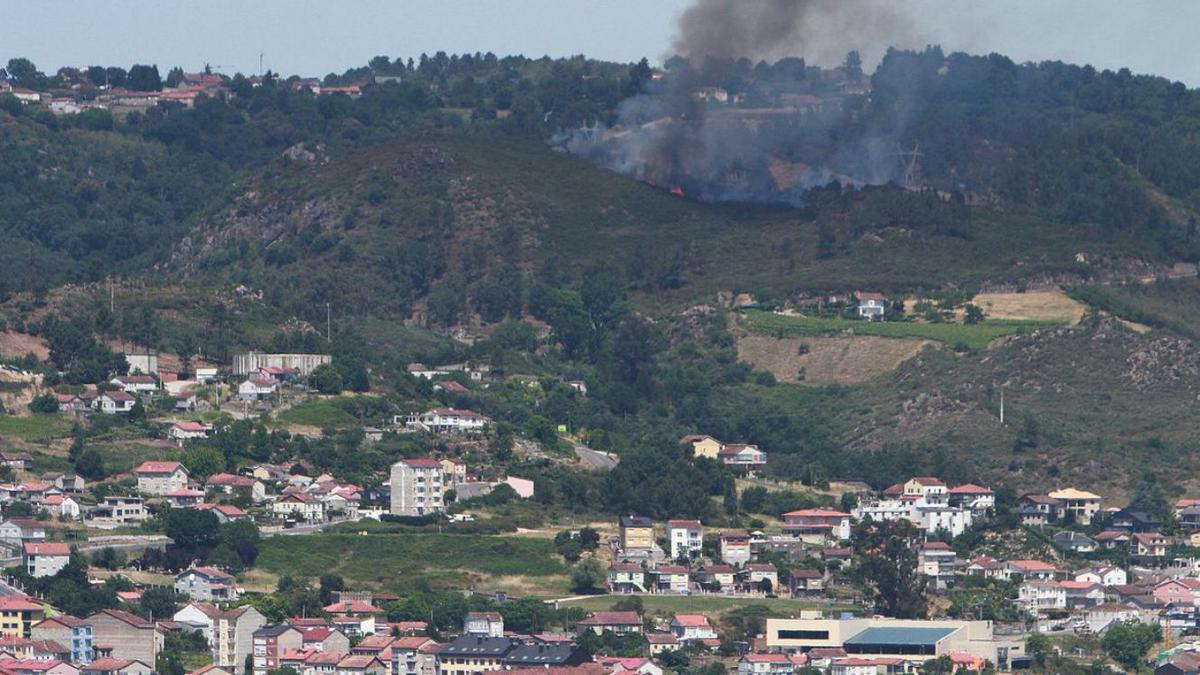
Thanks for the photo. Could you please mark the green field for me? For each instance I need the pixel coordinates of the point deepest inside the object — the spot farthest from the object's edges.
(975, 336)
(34, 427)
(670, 604)
(407, 560)
(317, 413)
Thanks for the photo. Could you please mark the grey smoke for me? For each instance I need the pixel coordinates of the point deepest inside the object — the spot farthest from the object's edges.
(817, 30)
(665, 137)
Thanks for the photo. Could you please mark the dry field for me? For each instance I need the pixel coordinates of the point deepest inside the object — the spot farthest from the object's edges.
(829, 360)
(1031, 306)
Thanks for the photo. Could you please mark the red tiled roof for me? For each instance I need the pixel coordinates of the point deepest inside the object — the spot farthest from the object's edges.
(47, 548)
(158, 467)
(692, 620)
(970, 489)
(817, 513)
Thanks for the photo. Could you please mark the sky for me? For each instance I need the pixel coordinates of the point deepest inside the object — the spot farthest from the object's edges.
(307, 37)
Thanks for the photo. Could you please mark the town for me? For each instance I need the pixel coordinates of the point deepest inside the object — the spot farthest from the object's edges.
(773, 338)
(979, 578)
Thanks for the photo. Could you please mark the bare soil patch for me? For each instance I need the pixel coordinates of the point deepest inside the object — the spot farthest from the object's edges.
(14, 344)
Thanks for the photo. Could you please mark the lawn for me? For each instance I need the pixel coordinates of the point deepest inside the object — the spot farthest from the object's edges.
(404, 561)
(975, 336)
(34, 427)
(671, 604)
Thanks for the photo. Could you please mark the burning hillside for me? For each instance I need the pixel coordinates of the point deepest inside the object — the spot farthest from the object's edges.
(718, 126)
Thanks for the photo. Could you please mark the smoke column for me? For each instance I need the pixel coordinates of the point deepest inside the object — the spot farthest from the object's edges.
(778, 130)
(820, 31)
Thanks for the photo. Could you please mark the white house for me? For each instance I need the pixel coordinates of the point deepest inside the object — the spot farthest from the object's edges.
(871, 306)
(449, 419)
(136, 384)
(1103, 575)
(113, 402)
(188, 430)
(765, 664)
(686, 538)
(62, 506)
(302, 506)
(688, 627)
(425, 372)
(257, 388)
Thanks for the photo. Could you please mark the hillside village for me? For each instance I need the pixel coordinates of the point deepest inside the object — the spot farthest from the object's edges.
(472, 364)
(992, 570)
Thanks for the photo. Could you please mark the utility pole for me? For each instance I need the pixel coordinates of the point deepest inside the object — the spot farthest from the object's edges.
(1001, 406)
(328, 325)
(909, 158)
(260, 60)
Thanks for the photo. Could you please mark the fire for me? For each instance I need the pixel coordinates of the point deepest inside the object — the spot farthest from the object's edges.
(677, 191)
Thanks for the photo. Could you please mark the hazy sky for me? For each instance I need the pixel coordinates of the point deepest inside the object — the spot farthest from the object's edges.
(313, 38)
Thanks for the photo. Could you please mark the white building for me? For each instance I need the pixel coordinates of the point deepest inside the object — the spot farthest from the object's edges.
(449, 419)
(1103, 575)
(45, 558)
(143, 364)
(416, 486)
(1039, 597)
(159, 478)
(114, 402)
(244, 364)
(136, 384)
(687, 627)
(257, 388)
(686, 538)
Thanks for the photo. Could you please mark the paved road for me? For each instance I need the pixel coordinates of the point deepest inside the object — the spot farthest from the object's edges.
(595, 459)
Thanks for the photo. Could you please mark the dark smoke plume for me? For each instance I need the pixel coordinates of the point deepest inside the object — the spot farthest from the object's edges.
(738, 116)
(817, 30)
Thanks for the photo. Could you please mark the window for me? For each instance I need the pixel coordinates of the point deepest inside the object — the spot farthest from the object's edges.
(803, 635)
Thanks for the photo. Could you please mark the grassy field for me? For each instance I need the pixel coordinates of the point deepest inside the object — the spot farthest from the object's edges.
(34, 427)
(121, 457)
(975, 336)
(404, 561)
(317, 413)
(666, 604)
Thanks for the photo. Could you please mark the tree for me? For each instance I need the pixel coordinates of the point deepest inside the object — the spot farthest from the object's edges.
(144, 78)
(972, 314)
(1037, 646)
(852, 66)
(190, 529)
(1128, 641)
(203, 461)
(890, 571)
(90, 465)
(331, 582)
(242, 538)
(138, 412)
(1148, 497)
(46, 403)
(159, 602)
(326, 379)
(589, 539)
(588, 577)
(24, 74)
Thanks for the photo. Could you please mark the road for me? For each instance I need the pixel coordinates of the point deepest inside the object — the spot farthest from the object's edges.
(595, 459)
